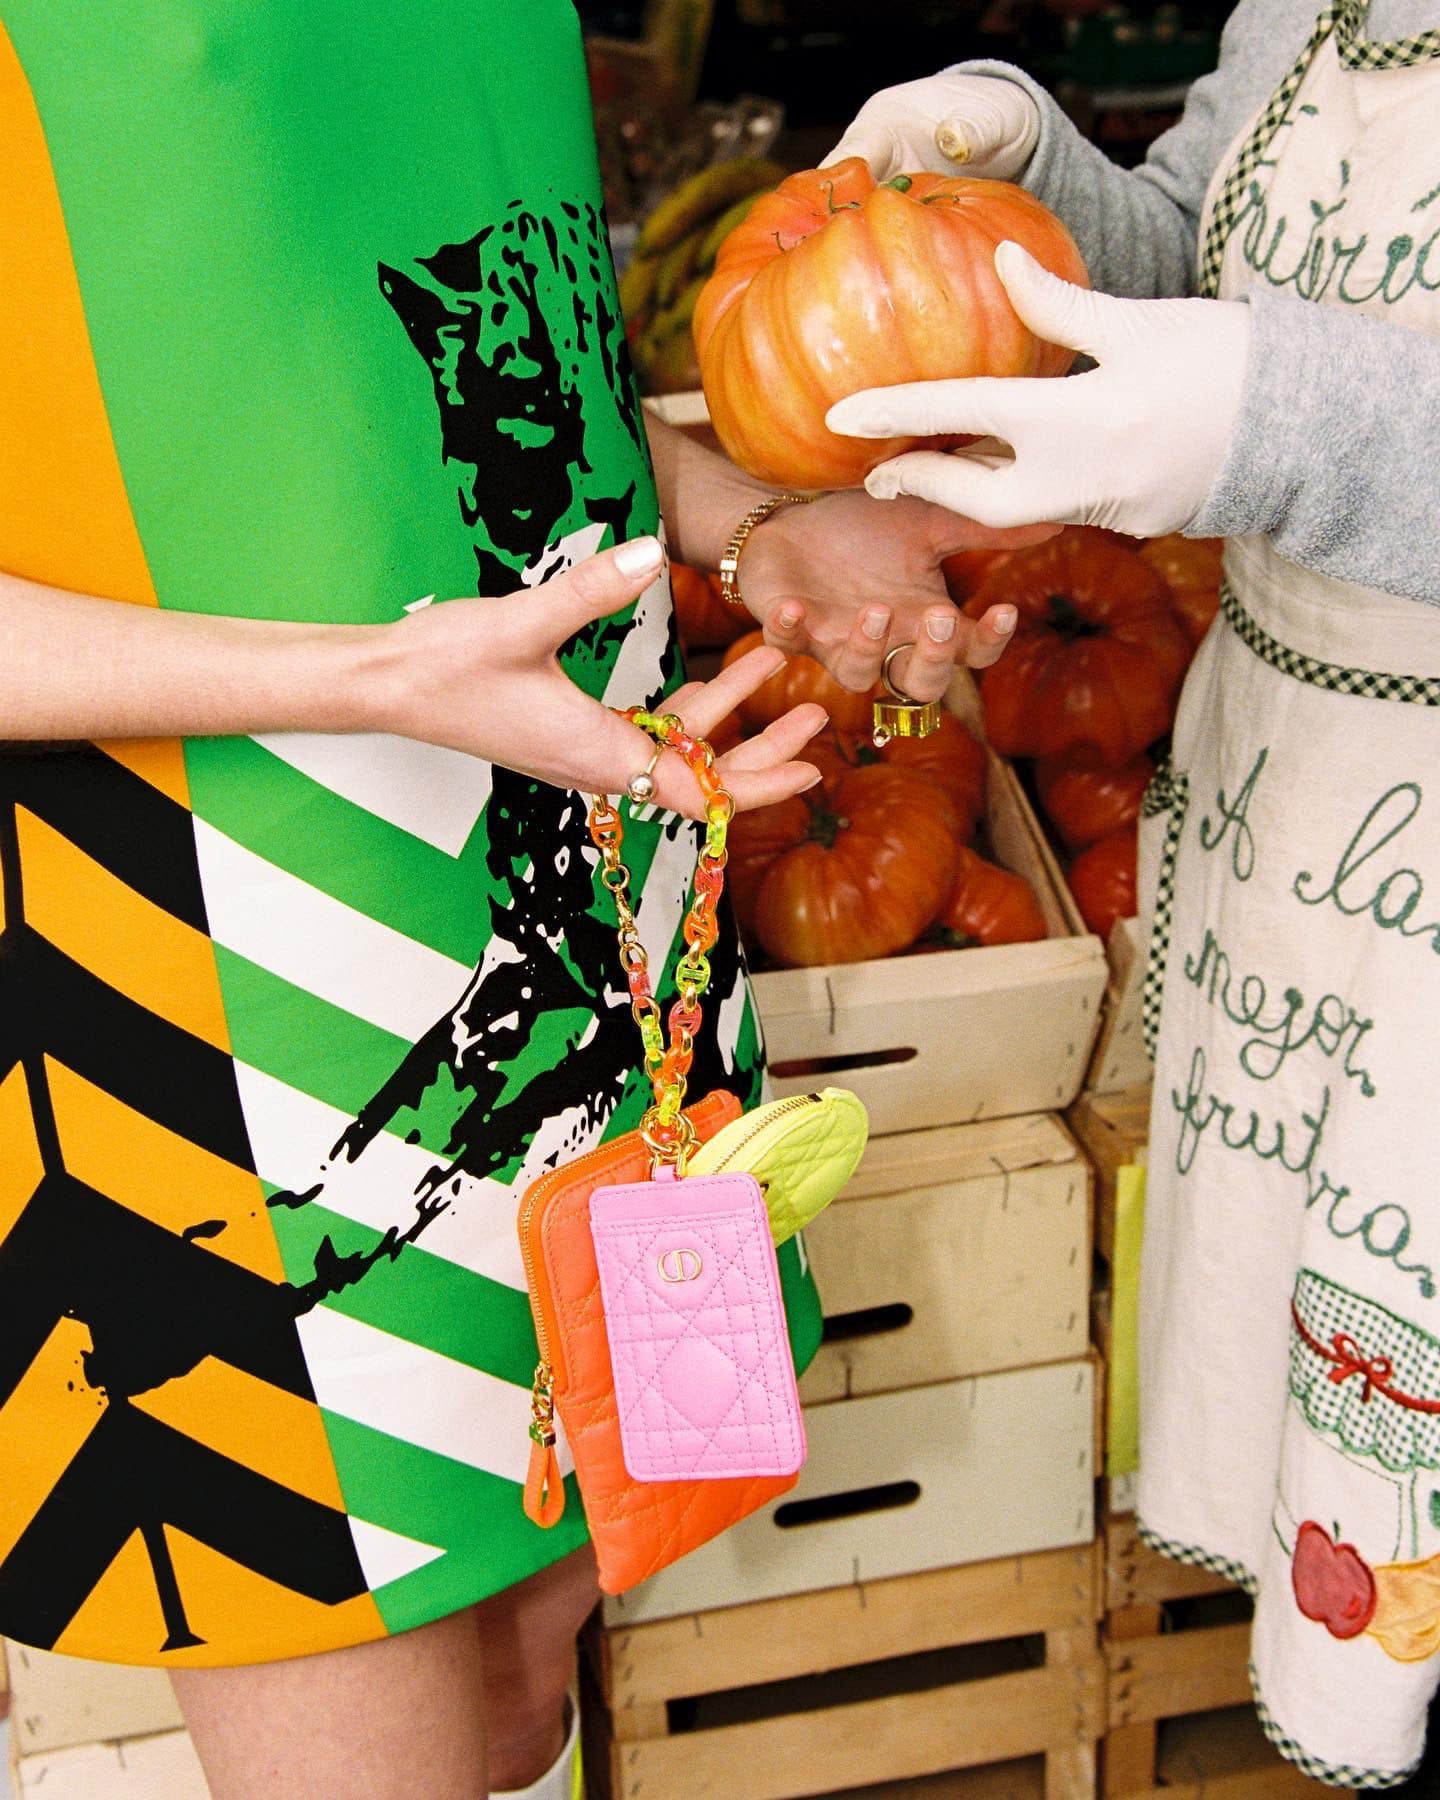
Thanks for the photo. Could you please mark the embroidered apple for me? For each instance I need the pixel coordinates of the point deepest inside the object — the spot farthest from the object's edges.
(1332, 1581)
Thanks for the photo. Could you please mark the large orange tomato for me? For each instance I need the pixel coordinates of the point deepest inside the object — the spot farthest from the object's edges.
(1192, 568)
(800, 680)
(1085, 799)
(1098, 655)
(1103, 881)
(966, 569)
(754, 841)
(989, 905)
(861, 875)
(951, 757)
(702, 618)
(833, 284)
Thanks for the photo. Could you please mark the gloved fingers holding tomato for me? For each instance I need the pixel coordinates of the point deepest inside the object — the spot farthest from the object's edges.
(948, 124)
(1134, 444)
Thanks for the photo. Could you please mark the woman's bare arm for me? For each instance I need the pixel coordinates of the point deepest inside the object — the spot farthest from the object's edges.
(73, 666)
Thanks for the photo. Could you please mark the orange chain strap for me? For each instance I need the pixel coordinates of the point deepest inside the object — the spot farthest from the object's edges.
(664, 1128)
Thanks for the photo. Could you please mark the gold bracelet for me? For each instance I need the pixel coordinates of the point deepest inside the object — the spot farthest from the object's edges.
(730, 561)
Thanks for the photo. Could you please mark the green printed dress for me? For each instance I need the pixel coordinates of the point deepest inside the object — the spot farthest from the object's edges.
(308, 313)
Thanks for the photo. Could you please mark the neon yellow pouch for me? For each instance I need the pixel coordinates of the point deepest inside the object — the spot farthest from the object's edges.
(802, 1151)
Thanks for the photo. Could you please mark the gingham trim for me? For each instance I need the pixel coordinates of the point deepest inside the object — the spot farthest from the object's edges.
(1369, 684)
(1357, 52)
(1198, 1559)
(1344, 1775)
(1341, 1775)
(1346, 18)
(1167, 792)
(1228, 202)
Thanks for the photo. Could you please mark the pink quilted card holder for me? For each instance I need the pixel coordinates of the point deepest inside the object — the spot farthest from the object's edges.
(704, 1378)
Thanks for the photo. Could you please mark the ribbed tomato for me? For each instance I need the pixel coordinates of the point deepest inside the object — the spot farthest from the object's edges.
(1098, 655)
(800, 680)
(966, 569)
(1191, 568)
(702, 618)
(1085, 799)
(756, 837)
(1104, 881)
(860, 876)
(989, 905)
(952, 757)
(833, 284)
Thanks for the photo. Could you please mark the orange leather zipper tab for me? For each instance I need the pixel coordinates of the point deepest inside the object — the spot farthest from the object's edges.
(544, 1486)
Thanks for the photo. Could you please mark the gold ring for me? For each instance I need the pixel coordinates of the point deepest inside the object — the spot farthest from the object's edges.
(641, 786)
(889, 680)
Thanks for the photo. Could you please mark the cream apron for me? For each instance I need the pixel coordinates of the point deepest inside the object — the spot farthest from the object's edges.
(1290, 1332)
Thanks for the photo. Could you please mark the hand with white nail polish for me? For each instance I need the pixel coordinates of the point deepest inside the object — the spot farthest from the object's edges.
(948, 124)
(847, 578)
(484, 676)
(1134, 444)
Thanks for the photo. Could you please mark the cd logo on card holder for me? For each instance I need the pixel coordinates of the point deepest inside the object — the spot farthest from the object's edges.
(680, 1265)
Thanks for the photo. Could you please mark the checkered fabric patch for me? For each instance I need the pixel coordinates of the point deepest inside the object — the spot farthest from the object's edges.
(1341, 1775)
(1228, 202)
(1369, 684)
(1356, 52)
(1346, 18)
(1167, 792)
(1198, 1559)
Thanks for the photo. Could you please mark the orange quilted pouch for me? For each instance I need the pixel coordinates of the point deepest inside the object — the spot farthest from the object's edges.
(637, 1527)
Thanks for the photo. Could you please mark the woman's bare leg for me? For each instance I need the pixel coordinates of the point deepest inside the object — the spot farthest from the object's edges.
(400, 1719)
(527, 1638)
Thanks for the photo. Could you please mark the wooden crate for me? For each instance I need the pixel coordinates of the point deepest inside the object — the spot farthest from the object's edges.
(1177, 1646)
(1225, 1756)
(163, 1766)
(1121, 1060)
(953, 1252)
(881, 1682)
(59, 1701)
(1114, 1129)
(965, 1471)
(959, 1035)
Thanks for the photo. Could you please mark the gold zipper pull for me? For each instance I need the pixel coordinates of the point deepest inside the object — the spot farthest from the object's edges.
(544, 1498)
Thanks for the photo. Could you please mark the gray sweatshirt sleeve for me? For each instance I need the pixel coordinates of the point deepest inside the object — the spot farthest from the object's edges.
(1336, 448)
(1137, 229)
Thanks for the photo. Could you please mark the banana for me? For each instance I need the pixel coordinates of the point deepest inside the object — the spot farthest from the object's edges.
(637, 285)
(701, 197)
(677, 316)
(732, 217)
(676, 265)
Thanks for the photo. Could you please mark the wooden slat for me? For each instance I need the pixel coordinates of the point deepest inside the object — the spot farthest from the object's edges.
(1070, 1772)
(956, 1726)
(1121, 1060)
(1015, 1242)
(1127, 1760)
(1224, 1756)
(1181, 1672)
(999, 1465)
(808, 1634)
(992, 1031)
(1112, 1128)
(1136, 1575)
(59, 1701)
(161, 1767)
(901, 1162)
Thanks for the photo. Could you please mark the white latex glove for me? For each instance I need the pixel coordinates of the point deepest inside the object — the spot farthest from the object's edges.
(1134, 444)
(946, 124)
